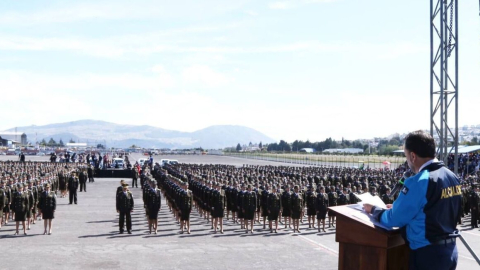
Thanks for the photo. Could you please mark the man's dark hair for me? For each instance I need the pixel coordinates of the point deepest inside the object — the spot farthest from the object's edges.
(420, 143)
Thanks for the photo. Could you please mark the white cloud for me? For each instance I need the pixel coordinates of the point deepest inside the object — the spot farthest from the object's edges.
(204, 75)
(102, 10)
(144, 45)
(251, 13)
(280, 5)
(293, 4)
(165, 79)
(318, 1)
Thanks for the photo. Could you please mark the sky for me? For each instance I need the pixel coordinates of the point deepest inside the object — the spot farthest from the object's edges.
(303, 69)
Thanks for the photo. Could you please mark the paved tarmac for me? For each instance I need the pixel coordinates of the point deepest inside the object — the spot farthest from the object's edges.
(85, 236)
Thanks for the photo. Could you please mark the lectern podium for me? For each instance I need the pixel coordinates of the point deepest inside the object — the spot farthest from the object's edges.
(365, 246)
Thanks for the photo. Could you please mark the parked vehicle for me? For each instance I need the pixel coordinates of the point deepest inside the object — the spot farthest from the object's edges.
(118, 163)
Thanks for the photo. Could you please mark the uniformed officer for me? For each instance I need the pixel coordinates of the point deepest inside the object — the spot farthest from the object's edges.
(218, 202)
(297, 205)
(47, 205)
(31, 203)
(3, 201)
(240, 209)
(287, 206)
(134, 177)
(249, 207)
(154, 205)
(185, 207)
(332, 201)
(90, 173)
(125, 208)
(8, 203)
(311, 212)
(82, 178)
(263, 203)
(428, 206)
(20, 207)
(72, 188)
(274, 206)
(321, 206)
(474, 205)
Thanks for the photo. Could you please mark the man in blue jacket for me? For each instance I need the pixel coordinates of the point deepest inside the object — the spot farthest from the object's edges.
(428, 207)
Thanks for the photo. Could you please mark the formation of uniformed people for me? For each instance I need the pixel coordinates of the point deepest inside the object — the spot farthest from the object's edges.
(271, 192)
(274, 193)
(471, 203)
(28, 191)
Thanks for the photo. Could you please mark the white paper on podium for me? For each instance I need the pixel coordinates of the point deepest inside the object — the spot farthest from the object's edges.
(362, 215)
(369, 218)
(373, 200)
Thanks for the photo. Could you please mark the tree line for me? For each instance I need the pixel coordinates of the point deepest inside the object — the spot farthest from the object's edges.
(53, 143)
(379, 146)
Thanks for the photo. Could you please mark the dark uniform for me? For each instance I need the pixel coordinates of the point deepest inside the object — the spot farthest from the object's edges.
(134, 178)
(474, 201)
(3, 203)
(72, 189)
(286, 204)
(332, 201)
(20, 205)
(249, 204)
(90, 174)
(264, 202)
(240, 198)
(124, 207)
(186, 203)
(297, 205)
(47, 204)
(321, 205)
(218, 201)
(8, 200)
(311, 197)
(83, 181)
(274, 205)
(31, 203)
(154, 203)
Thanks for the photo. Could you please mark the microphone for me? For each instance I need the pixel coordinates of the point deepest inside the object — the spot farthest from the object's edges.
(399, 184)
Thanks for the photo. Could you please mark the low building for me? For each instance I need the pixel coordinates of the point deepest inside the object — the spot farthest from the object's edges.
(8, 138)
(308, 150)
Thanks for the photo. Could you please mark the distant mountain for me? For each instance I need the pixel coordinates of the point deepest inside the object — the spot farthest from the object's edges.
(115, 135)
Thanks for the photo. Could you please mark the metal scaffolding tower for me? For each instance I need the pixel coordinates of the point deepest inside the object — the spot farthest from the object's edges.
(444, 78)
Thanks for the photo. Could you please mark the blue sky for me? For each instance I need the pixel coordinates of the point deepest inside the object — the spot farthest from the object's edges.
(304, 69)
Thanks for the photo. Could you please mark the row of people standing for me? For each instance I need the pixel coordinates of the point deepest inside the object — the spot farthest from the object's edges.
(28, 191)
(26, 203)
(248, 203)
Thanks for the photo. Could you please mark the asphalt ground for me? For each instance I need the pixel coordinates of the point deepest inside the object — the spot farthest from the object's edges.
(85, 236)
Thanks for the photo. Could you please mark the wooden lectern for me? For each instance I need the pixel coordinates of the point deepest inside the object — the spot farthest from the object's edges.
(365, 246)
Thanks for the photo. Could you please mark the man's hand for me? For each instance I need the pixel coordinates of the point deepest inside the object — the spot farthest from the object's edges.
(367, 207)
(389, 206)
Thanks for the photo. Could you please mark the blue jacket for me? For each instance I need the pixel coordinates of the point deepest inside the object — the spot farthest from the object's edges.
(428, 206)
